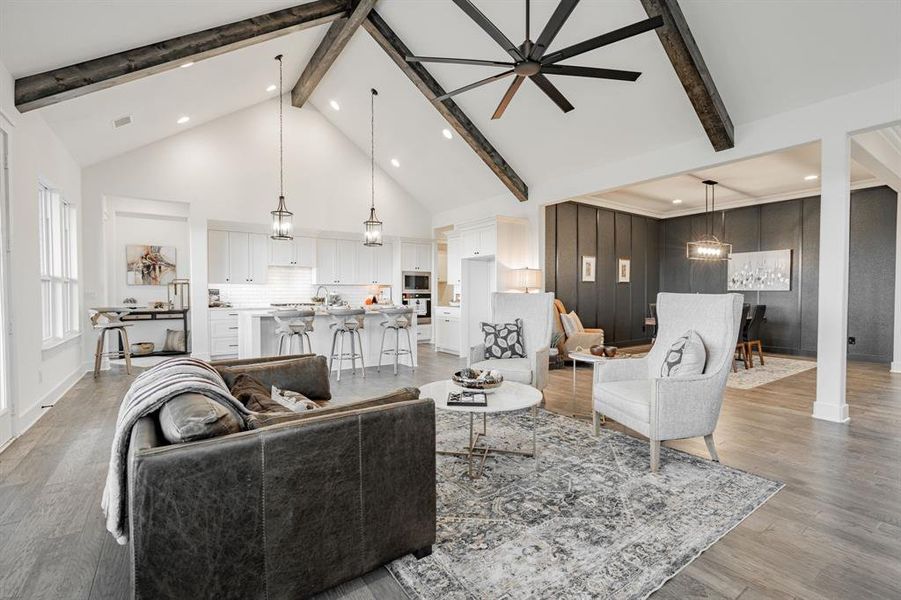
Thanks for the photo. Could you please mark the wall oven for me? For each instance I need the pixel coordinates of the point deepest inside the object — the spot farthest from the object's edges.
(417, 282)
(421, 303)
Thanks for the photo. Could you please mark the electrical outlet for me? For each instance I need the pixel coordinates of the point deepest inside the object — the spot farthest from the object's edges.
(852, 340)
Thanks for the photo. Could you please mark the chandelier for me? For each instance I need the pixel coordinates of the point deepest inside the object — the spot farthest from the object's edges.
(708, 247)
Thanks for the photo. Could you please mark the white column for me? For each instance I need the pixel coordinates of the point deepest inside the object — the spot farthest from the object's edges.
(832, 326)
(896, 355)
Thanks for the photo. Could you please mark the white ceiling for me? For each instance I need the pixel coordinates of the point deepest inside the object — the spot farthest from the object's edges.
(765, 58)
(770, 177)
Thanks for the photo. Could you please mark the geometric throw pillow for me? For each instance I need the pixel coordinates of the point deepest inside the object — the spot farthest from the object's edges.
(504, 340)
(685, 357)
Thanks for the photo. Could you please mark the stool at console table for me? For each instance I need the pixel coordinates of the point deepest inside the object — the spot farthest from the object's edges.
(167, 314)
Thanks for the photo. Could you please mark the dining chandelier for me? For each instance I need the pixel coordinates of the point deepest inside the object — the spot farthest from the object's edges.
(708, 247)
(372, 227)
(282, 218)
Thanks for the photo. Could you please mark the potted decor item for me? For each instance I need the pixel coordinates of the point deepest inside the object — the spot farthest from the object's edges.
(477, 379)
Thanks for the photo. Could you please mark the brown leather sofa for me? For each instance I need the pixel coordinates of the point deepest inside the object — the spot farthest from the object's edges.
(287, 510)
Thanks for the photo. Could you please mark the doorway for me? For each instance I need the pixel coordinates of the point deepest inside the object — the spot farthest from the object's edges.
(6, 409)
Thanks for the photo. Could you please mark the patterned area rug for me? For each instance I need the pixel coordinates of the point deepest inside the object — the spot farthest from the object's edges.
(775, 369)
(587, 520)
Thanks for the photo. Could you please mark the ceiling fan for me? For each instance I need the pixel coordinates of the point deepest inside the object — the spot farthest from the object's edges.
(530, 58)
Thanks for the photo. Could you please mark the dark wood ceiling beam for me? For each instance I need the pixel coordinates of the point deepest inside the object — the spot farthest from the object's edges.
(686, 58)
(51, 87)
(431, 89)
(336, 38)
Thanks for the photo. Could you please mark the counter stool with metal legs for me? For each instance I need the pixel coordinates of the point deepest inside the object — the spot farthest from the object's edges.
(291, 325)
(112, 323)
(397, 319)
(347, 321)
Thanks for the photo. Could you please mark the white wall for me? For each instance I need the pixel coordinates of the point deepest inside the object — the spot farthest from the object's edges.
(227, 170)
(39, 377)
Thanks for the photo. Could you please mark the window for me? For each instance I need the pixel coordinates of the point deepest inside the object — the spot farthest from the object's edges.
(59, 267)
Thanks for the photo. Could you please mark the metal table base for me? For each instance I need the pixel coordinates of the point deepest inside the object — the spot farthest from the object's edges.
(480, 452)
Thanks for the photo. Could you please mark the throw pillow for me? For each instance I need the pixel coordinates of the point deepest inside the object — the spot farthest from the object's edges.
(567, 322)
(577, 322)
(293, 401)
(253, 394)
(175, 340)
(504, 340)
(191, 417)
(685, 357)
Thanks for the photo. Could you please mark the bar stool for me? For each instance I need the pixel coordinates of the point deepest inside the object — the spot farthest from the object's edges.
(111, 323)
(396, 319)
(291, 325)
(347, 321)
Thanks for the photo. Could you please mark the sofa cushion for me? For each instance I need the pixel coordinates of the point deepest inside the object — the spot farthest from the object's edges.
(191, 417)
(512, 369)
(253, 394)
(685, 357)
(631, 398)
(307, 375)
(398, 395)
(503, 340)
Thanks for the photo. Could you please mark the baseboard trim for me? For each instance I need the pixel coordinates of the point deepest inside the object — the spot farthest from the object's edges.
(895, 367)
(831, 412)
(26, 420)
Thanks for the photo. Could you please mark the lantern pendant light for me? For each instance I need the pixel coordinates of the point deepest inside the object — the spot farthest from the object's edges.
(372, 227)
(708, 247)
(282, 218)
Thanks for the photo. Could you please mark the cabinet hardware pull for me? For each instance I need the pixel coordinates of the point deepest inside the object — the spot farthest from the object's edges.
(233, 345)
(232, 327)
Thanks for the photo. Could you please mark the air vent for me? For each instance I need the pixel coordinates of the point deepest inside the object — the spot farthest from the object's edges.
(122, 121)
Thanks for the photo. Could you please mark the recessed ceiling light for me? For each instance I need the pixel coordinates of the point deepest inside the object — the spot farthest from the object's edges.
(447, 133)
(272, 87)
(334, 104)
(187, 64)
(183, 120)
(395, 162)
(677, 201)
(811, 177)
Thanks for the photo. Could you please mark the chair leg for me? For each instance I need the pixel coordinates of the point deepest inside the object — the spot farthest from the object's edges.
(759, 350)
(360, 343)
(382, 349)
(396, 348)
(749, 356)
(410, 348)
(655, 455)
(596, 421)
(309, 342)
(331, 356)
(98, 355)
(734, 359)
(127, 347)
(711, 447)
(341, 356)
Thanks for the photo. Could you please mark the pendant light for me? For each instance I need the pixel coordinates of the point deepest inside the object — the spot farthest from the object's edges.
(372, 227)
(708, 247)
(282, 218)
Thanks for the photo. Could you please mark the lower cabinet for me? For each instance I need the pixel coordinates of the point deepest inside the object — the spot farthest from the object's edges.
(447, 329)
(223, 334)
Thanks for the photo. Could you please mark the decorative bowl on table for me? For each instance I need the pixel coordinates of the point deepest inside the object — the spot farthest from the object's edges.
(478, 379)
(139, 348)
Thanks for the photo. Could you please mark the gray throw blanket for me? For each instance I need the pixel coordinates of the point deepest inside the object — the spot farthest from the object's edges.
(147, 394)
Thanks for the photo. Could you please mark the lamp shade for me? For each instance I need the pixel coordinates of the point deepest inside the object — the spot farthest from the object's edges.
(372, 230)
(709, 249)
(282, 222)
(528, 278)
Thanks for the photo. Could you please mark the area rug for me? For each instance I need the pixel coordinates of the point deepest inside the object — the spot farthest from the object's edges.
(586, 520)
(775, 369)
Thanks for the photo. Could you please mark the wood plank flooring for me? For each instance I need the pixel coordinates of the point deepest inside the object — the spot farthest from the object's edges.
(833, 532)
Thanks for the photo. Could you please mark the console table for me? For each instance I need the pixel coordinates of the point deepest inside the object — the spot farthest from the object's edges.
(168, 314)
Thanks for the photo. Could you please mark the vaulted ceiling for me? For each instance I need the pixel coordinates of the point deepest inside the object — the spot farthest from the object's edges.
(764, 57)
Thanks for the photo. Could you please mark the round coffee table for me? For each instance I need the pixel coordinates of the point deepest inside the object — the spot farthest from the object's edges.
(508, 397)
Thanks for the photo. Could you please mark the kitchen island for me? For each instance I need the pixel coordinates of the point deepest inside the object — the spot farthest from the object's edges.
(256, 337)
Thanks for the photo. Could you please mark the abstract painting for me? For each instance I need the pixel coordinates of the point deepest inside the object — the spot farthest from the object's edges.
(149, 265)
(769, 271)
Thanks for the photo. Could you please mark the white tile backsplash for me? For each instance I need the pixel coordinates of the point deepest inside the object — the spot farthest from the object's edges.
(289, 284)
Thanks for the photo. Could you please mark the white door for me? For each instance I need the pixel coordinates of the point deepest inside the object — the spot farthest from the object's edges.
(217, 256)
(347, 261)
(326, 266)
(304, 252)
(259, 257)
(238, 257)
(6, 417)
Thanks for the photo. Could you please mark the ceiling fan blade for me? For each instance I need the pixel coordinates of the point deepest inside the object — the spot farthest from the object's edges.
(590, 72)
(459, 61)
(490, 28)
(553, 93)
(550, 31)
(471, 86)
(511, 91)
(604, 39)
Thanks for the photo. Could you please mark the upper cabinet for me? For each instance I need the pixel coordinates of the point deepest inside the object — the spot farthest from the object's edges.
(237, 257)
(299, 252)
(454, 255)
(336, 261)
(374, 264)
(479, 242)
(416, 257)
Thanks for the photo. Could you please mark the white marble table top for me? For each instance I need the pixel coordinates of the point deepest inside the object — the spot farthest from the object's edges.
(509, 396)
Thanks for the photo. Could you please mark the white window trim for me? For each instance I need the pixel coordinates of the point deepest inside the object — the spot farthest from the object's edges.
(58, 253)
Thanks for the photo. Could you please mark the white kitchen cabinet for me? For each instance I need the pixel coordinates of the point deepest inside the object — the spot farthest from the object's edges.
(374, 265)
(447, 329)
(479, 242)
(347, 261)
(385, 264)
(299, 252)
(326, 261)
(416, 257)
(237, 257)
(223, 334)
(454, 256)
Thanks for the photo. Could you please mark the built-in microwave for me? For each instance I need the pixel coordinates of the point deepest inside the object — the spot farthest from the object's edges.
(417, 282)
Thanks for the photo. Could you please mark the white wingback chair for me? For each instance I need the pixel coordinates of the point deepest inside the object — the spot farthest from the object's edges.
(631, 391)
(537, 314)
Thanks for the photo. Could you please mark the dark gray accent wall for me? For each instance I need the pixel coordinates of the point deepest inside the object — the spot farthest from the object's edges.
(574, 230)
(794, 224)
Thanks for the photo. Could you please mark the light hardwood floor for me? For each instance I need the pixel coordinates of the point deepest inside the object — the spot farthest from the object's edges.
(833, 532)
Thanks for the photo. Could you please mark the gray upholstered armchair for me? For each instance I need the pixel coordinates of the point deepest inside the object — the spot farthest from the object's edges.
(631, 391)
(537, 314)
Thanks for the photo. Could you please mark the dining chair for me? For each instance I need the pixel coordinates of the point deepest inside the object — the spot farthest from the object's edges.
(656, 326)
(741, 347)
(751, 333)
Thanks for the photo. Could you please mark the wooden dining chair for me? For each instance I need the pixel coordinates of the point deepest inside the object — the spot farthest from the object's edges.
(741, 348)
(751, 333)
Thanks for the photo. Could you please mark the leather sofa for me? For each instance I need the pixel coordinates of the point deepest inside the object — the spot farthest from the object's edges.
(286, 510)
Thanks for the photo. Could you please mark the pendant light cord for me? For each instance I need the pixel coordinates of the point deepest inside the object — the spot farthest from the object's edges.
(281, 128)
(372, 147)
(527, 19)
